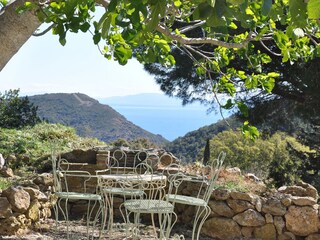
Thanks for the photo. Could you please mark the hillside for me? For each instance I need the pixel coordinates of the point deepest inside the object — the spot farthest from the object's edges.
(189, 146)
(89, 117)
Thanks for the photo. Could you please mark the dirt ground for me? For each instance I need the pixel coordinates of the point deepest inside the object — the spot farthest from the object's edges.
(48, 231)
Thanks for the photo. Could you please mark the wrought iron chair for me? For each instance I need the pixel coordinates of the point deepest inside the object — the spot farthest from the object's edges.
(63, 177)
(118, 165)
(153, 202)
(205, 186)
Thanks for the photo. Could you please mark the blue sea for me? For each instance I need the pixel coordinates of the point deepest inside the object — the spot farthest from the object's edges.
(168, 121)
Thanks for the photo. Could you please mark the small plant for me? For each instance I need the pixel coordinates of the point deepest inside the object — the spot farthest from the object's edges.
(4, 183)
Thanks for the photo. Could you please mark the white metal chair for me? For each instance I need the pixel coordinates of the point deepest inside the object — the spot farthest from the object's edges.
(63, 176)
(118, 164)
(153, 202)
(200, 199)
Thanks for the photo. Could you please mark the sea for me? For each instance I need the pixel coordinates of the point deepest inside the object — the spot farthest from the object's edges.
(162, 115)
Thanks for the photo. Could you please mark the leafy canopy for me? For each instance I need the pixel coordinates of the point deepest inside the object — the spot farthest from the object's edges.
(16, 112)
(149, 29)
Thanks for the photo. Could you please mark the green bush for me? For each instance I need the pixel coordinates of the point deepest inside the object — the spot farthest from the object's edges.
(33, 143)
(279, 158)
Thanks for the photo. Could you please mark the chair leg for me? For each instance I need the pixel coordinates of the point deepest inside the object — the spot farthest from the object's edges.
(203, 215)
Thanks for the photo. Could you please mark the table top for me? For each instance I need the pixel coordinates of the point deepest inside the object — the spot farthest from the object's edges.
(134, 177)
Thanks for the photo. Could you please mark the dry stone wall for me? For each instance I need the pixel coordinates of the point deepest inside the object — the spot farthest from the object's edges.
(23, 207)
(289, 213)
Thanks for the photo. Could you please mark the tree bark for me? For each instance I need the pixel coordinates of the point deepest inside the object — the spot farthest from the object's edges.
(15, 30)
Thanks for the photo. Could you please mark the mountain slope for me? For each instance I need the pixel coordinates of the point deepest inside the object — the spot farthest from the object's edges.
(89, 117)
(189, 146)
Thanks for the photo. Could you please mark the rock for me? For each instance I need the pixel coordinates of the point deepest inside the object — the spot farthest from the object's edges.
(2, 161)
(221, 194)
(18, 198)
(45, 179)
(81, 156)
(303, 201)
(269, 218)
(258, 205)
(301, 190)
(6, 172)
(253, 177)
(244, 196)
(311, 191)
(266, 232)
(315, 236)
(247, 232)
(286, 201)
(279, 224)
(35, 194)
(14, 225)
(5, 208)
(221, 228)
(249, 218)
(33, 211)
(287, 236)
(274, 207)
(239, 205)
(302, 221)
(233, 171)
(221, 208)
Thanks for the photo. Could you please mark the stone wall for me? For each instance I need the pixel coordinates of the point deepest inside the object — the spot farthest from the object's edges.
(289, 213)
(24, 207)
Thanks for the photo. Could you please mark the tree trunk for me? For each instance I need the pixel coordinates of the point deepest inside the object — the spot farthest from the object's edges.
(15, 30)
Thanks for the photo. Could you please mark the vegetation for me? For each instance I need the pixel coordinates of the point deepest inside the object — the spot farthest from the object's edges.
(189, 146)
(90, 118)
(15, 111)
(26, 148)
(279, 158)
(140, 143)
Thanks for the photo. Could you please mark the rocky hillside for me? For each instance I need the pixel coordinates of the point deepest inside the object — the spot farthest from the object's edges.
(89, 117)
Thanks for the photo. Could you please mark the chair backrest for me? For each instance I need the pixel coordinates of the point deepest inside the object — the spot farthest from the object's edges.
(198, 186)
(66, 179)
(215, 168)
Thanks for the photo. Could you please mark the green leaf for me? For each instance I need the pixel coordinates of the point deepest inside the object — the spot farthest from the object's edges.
(266, 7)
(273, 74)
(177, 3)
(62, 41)
(243, 108)
(211, 2)
(236, 2)
(122, 53)
(251, 82)
(298, 11)
(228, 105)
(268, 85)
(250, 131)
(96, 38)
(85, 27)
(157, 11)
(313, 9)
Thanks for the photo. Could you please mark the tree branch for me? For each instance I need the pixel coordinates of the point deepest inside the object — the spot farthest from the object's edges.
(212, 41)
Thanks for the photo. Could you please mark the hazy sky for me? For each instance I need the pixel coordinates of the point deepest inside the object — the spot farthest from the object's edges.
(42, 65)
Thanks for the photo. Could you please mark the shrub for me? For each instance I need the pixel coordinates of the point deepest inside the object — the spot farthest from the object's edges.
(279, 157)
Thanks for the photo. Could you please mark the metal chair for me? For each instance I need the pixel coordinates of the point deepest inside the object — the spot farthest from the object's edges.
(200, 199)
(118, 165)
(63, 177)
(153, 202)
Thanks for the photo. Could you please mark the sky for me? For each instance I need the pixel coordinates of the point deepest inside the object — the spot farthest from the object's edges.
(42, 65)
